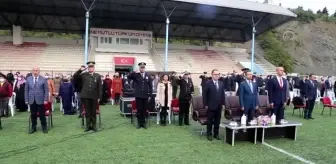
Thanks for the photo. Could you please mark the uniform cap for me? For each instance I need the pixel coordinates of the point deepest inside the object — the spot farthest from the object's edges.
(91, 63)
(186, 73)
(245, 69)
(142, 64)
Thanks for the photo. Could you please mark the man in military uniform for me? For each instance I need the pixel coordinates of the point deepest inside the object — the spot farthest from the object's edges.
(186, 89)
(173, 78)
(143, 90)
(90, 93)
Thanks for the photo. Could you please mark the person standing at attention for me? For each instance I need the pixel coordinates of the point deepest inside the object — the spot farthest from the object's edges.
(164, 97)
(143, 90)
(36, 95)
(248, 97)
(117, 88)
(310, 94)
(185, 95)
(214, 101)
(90, 93)
(277, 94)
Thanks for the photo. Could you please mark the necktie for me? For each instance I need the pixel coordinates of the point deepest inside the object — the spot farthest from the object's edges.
(251, 87)
(142, 74)
(216, 83)
(35, 81)
(281, 82)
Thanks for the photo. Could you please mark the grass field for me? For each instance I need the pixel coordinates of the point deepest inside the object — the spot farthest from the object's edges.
(119, 142)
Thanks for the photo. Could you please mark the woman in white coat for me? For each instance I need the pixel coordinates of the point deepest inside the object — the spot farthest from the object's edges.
(164, 97)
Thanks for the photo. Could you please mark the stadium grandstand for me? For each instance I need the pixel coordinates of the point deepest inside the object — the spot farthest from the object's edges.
(122, 33)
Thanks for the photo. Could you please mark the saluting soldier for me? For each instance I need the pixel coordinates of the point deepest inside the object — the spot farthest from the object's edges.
(90, 93)
(143, 90)
(240, 78)
(186, 89)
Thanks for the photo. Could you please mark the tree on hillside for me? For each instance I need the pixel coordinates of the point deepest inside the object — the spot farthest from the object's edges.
(319, 12)
(304, 15)
(325, 11)
(334, 15)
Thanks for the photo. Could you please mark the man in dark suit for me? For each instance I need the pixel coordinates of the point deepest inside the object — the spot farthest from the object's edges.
(36, 95)
(186, 89)
(248, 96)
(277, 93)
(310, 93)
(213, 100)
(143, 90)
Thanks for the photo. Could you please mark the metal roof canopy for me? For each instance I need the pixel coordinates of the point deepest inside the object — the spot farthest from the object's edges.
(222, 20)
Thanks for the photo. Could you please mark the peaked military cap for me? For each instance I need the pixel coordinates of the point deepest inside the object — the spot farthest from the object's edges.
(186, 73)
(142, 64)
(245, 69)
(91, 63)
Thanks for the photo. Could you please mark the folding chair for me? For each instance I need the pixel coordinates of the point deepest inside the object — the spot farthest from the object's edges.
(298, 104)
(326, 101)
(98, 113)
(199, 113)
(175, 109)
(48, 115)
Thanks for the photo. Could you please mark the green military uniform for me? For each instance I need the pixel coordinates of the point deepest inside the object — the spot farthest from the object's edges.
(90, 93)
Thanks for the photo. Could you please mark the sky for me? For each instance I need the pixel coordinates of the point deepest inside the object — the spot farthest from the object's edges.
(307, 4)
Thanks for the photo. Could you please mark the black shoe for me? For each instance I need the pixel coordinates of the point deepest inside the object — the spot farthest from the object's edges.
(87, 129)
(95, 129)
(138, 127)
(45, 130)
(216, 137)
(306, 118)
(144, 126)
(180, 124)
(209, 138)
(311, 118)
(33, 130)
(186, 124)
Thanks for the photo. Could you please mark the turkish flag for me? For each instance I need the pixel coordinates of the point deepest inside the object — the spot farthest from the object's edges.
(129, 61)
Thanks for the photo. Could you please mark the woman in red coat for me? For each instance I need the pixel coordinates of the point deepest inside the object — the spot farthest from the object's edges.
(6, 92)
(108, 83)
(116, 88)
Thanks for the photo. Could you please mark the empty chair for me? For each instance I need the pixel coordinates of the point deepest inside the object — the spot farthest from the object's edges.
(264, 108)
(298, 104)
(232, 108)
(199, 113)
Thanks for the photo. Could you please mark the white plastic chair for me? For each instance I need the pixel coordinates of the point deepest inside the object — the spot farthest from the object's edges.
(331, 95)
(200, 89)
(296, 92)
(11, 104)
(318, 97)
(61, 105)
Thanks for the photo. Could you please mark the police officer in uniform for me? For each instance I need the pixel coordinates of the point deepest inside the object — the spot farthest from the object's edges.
(186, 89)
(143, 90)
(90, 93)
